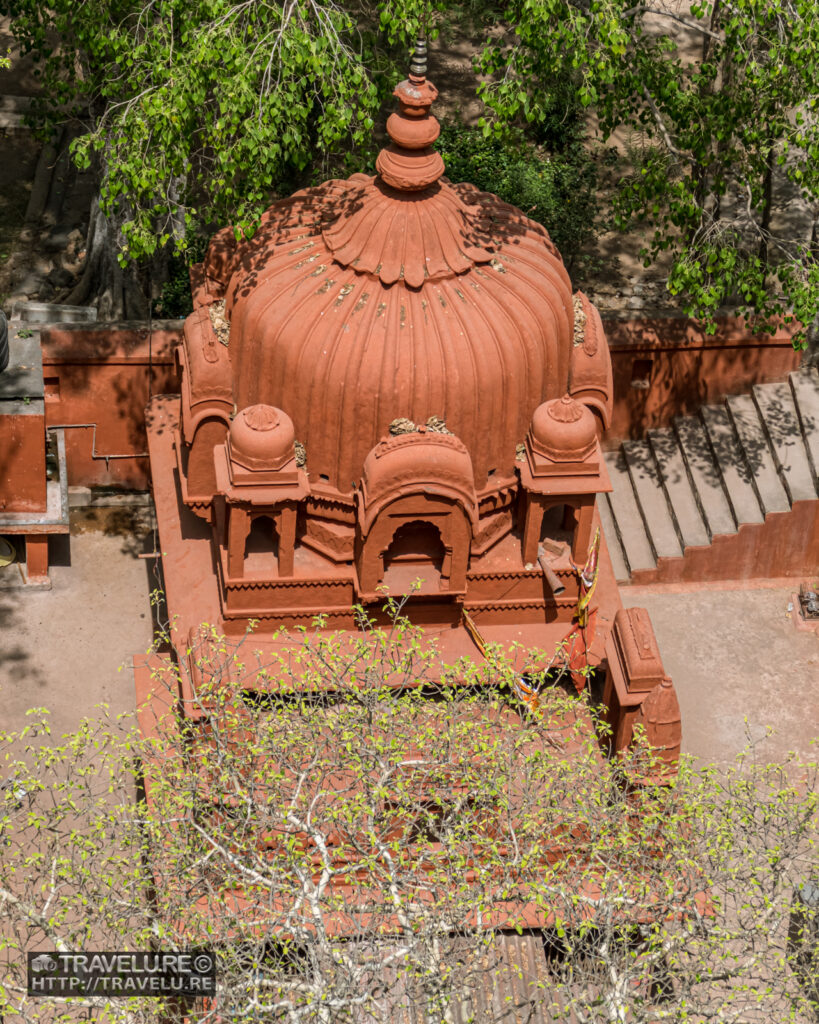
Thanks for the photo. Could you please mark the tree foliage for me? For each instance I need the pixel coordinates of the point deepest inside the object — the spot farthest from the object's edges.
(197, 112)
(556, 186)
(354, 842)
(724, 98)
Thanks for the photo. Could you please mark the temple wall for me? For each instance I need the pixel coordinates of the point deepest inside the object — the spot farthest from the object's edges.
(103, 374)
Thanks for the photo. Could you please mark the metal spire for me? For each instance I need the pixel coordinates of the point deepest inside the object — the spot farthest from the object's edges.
(418, 67)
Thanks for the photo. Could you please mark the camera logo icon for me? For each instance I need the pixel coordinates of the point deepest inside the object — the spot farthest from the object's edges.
(44, 962)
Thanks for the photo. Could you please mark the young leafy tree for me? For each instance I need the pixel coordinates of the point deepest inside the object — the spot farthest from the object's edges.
(724, 97)
(357, 845)
(196, 113)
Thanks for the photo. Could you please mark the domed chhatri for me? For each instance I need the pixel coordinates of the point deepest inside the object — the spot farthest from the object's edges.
(398, 295)
(377, 303)
(262, 438)
(410, 400)
(563, 430)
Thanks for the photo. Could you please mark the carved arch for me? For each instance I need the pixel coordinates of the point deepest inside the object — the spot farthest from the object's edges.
(446, 515)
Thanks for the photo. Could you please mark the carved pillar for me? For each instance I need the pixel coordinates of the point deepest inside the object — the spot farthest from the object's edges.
(535, 510)
(458, 528)
(238, 529)
(584, 516)
(446, 568)
(371, 560)
(287, 539)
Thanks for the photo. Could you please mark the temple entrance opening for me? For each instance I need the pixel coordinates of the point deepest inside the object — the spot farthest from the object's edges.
(558, 524)
(416, 552)
(262, 548)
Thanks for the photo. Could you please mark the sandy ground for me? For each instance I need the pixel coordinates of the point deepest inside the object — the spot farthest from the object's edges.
(740, 668)
(738, 664)
(70, 648)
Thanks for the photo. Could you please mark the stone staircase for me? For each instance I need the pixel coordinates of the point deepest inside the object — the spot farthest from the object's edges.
(729, 494)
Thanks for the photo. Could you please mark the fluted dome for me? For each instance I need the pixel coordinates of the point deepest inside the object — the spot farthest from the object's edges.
(399, 295)
(261, 438)
(563, 430)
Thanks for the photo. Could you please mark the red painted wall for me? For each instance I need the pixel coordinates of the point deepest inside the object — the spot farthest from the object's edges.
(669, 366)
(104, 374)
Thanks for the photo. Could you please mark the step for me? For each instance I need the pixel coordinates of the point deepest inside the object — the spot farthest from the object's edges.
(805, 387)
(627, 519)
(52, 313)
(778, 411)
(645, 478)
(758, 454)
(736, 476)
(704, 474)
(13, 111)
(674, 477)
(618, 559)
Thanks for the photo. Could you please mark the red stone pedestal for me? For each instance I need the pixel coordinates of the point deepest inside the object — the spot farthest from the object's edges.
(31, 505)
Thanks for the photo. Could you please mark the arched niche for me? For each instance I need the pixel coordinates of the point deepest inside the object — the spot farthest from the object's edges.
(566, 518)
(261, 543)
(416, 551)
(206, 404)
(420, 484)
(261, 546)
(209, 432)
(422, 535)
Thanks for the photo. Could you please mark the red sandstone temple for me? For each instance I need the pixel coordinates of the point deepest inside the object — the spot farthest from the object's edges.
(392, 381)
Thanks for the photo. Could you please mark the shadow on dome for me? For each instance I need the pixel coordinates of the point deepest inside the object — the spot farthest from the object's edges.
(406, 223)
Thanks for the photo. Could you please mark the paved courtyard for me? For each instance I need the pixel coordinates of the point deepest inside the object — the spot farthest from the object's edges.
(733, 654)
(62, 648)
(739, 666)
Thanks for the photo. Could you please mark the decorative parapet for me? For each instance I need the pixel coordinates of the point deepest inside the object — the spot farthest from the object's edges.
(637, 689)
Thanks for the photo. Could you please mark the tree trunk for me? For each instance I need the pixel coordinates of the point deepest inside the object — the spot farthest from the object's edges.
(43, 176)
(767, 207)
(810, 353)
(118, 294)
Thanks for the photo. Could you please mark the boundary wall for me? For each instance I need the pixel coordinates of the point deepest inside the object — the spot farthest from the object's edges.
(668, 366)
(98, 379)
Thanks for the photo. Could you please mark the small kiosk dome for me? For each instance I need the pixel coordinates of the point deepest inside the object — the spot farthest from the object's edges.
(261, 438)
(563, 430)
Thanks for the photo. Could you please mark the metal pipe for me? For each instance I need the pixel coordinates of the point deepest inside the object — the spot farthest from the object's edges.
(94, 453)
(552, 579)
(4, 341)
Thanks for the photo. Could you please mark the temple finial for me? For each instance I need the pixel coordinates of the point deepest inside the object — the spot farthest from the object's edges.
(418, 67)
(409, 163)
